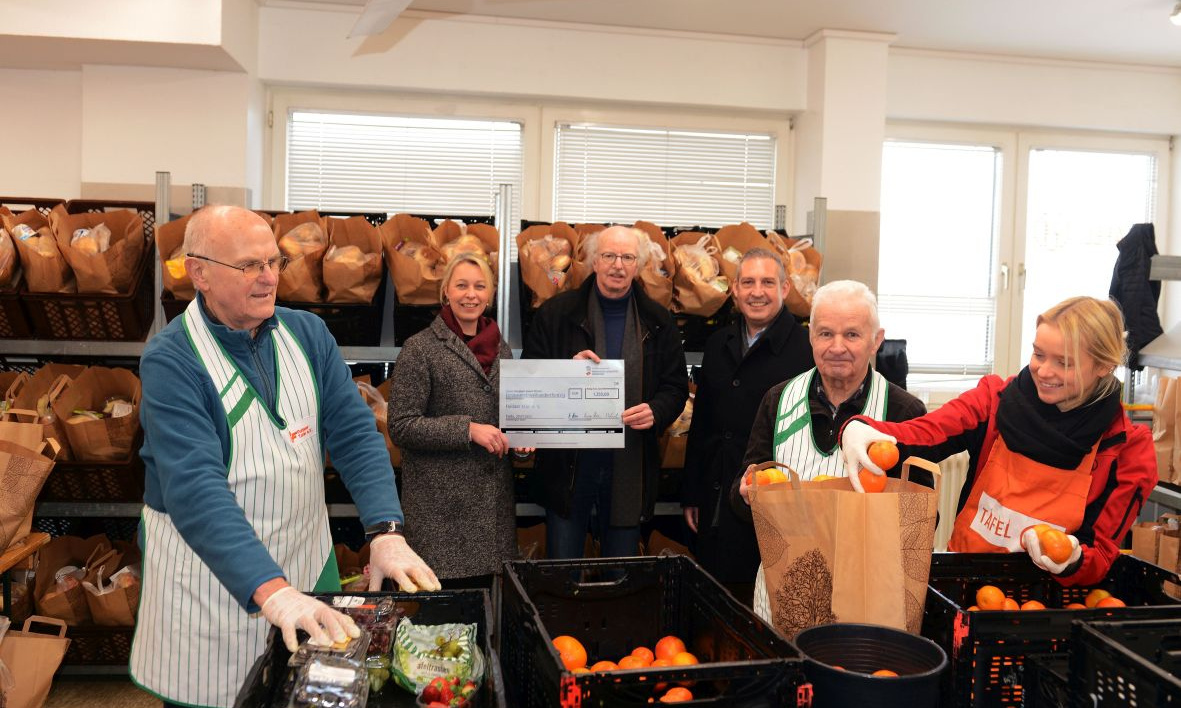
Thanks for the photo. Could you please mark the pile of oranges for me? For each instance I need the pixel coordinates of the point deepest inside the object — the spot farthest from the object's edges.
(990, 597)
(670, 651)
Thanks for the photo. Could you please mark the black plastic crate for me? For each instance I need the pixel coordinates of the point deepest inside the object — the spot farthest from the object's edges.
(14, 321)
(91, 645)
(352, 324)
(696, 330)
(114, 481)
(988, 649)
(42, 204)
(374, 217)
(614, 605)
(1131, 663)
(1047, 683)
(264, 684)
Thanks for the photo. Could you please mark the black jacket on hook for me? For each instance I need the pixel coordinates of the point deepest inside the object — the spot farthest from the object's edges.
(1136, 295)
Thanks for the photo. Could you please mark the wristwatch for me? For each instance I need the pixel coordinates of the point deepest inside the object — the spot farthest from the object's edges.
(384, 527)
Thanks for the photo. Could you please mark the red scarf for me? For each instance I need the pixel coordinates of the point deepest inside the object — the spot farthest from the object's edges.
(485, 344)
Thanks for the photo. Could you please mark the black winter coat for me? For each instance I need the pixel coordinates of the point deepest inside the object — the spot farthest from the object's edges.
(729, 390)
(1136, 294)
(561, 329)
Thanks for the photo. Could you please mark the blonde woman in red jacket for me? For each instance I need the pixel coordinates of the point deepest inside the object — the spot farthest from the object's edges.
(1050, 445)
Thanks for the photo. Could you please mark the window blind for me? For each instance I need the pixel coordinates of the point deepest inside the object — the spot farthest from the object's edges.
(396, 164)
(621, 174)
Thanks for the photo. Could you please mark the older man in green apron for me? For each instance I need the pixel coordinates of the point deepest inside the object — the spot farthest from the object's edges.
(240, 402)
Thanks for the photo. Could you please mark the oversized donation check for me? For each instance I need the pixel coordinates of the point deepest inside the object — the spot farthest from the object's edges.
(562, 402)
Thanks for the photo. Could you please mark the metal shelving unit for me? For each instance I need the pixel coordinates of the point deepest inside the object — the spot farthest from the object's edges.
(1164, 352)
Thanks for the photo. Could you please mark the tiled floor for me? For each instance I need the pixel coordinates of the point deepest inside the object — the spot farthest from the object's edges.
(70, 692)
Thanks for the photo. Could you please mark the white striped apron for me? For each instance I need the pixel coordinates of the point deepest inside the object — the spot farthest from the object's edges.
(794, 446)
(194, 643)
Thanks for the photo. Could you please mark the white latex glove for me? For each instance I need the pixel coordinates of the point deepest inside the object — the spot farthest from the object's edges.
(391, 557)
(1033, 546)
(855, 440)
(289, 609)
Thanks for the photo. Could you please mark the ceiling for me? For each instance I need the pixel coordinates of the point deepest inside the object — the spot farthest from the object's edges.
(1119, 31)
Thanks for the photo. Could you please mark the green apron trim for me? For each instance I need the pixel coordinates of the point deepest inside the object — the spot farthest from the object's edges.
(226, 388)
(329, 580)
(240, 407)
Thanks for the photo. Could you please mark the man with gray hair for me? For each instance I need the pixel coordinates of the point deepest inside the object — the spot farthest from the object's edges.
(610, 317)
(799, 419)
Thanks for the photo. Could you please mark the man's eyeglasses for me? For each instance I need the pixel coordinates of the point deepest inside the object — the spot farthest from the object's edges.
(253, 269)
(627, 258)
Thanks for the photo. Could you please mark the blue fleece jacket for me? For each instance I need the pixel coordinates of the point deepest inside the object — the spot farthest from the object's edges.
(187, 442)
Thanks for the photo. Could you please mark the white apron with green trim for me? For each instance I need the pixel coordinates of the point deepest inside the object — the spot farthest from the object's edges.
(795, 447)
(194, 643)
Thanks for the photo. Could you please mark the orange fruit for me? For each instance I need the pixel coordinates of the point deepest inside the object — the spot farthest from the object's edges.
(1010, 604)
(1095, 596)
(571, 650)
(1076, 606)
(883, 453)
(580, 670)
(631, 662)
(644, 653)
(683, 658)
(657, 663)
(870, 482)
(884, 672)
(838, 667)
(990, 597)
(1032, 605)
(604, 666)
(1055, 544)
(973, 608)
(771, 475)
(676, 695)
(1110, 602)
(668, 647)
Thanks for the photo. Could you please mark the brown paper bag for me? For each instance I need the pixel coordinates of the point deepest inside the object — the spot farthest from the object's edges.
(733, 243)
(831, 554)
(45, 268)
(414, 263)
(34, 403)
(657, 275)
(114, 606)
(303, 281)
(11, 383)
(1169, 550)
(1146, 540)
(23, 470)
(114, 270)
(802, 262)
(543, 269)
(348, 280)
(68, 604)
(490, 237)
(170, 239)
(108, 438)
(10, 271)
(693, 295)
(1164, 425)
(32, 658)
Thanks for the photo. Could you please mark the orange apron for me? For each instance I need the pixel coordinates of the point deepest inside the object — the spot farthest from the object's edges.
(1012, 493)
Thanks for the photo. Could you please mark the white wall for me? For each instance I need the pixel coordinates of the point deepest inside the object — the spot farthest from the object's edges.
(184, 22)
(41, 134)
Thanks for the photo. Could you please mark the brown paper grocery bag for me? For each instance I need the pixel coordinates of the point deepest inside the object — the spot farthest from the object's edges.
(11, 383)
(32, 658)
(117, 606)
(1146, 540)
(1169, 550)
(414, 263)
(832, 554)
(34, 403)
(693, 295)
(303, 281)
(23, 471)
(46, 269)
(108, 438)
(67, 604)
(657, 274)
(542, 270)
(170, 239)
(1164, 425)
(114, 270)
(802, 262)
(352, 276)
(733, 243)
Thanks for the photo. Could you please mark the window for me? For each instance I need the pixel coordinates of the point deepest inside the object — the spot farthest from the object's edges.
(370, 162)
(621, 174)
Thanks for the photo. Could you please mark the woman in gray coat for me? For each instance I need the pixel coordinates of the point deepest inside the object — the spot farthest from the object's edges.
(457, 482)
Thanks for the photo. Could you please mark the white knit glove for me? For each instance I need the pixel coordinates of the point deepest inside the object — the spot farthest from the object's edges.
(855, 440)
(391, 557)
(289, 609)
(1033, 546)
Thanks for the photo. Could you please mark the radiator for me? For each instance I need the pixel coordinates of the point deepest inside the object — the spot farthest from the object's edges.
(953, 471)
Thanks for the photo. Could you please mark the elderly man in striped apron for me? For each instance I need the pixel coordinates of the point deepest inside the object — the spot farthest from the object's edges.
(798, 420)
(241, 399)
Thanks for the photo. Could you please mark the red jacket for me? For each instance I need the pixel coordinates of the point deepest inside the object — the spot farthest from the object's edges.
(1123, 475)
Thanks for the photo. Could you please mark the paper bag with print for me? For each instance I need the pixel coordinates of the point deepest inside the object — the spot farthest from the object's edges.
(699, 288)
(170, 239)
(32, 657)
(34, 403)
(45, 269)
(547, 253)
(832, 554)
(104, 248)
(733, 242)
(415, 265)
(23, 471)
(657, 273)
(303, 237)
(352, 264)
(60, 594)
(101, 413)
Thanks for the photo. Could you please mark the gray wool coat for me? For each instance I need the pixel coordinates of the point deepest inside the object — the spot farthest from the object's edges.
(457, 497)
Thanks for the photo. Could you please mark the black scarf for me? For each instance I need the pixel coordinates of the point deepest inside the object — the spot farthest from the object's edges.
(1045, 434)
